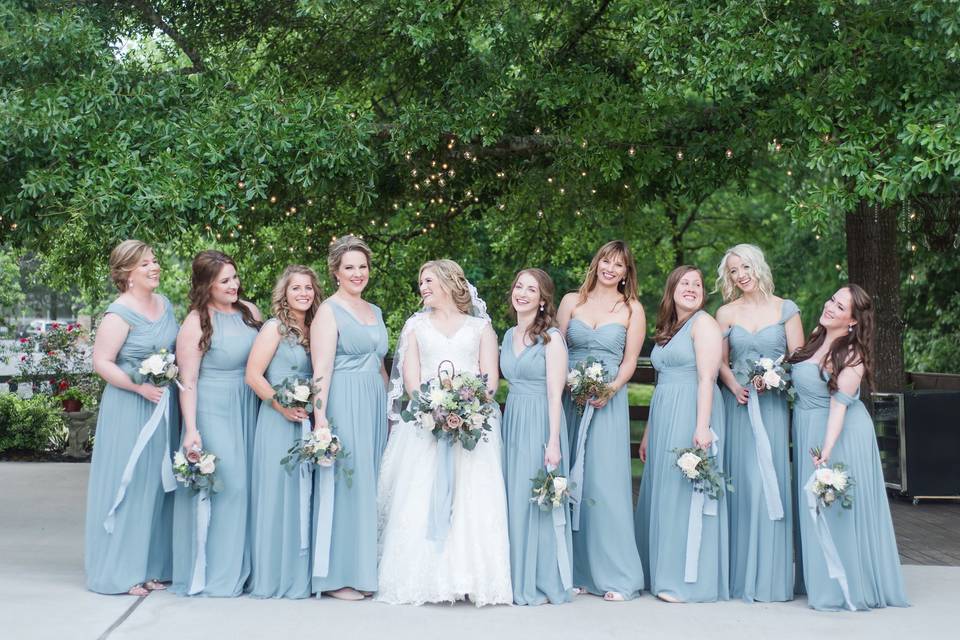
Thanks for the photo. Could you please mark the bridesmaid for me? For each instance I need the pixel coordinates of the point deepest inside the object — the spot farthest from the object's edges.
(828, 415)
(605, 320)
(533, 358)
(686, 410)
(220, 413)
(136, 557)
(757, 324)
(349, 341)
(278, 567)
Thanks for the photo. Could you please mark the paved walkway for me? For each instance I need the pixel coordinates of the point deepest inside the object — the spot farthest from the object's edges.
(42, 596)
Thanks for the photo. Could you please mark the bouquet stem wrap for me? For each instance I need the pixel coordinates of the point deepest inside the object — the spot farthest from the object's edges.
(441, 499)
(700, 505)
(576, 471)
(768, 475)
(160, 414)
(559, 517)
(830, 555)
(198, 582)
(306, 493)
(324, 533)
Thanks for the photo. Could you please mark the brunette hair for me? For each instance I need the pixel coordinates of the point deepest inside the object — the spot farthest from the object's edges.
(628, 288)
(453, 280)
(124, 259)
(339, 248)
(667, 321)
(206, 267)
(850, 350)
(281, 308)
(546, 317)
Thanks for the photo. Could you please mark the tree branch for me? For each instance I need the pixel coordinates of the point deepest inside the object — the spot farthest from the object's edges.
(157, 21)
(571, 44)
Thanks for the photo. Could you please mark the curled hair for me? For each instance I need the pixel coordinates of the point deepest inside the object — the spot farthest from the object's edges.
(849, 350)
(340, 248)
(629, 287)
(453, 280)
(124, 259)
(668, 322)
(206, 268)
(546, 318)
(749, 254)
(281, 308)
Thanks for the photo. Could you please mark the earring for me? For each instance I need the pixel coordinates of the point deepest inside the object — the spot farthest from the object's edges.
(849, 328)
(541, 307)
(338, 282)
(623, 281)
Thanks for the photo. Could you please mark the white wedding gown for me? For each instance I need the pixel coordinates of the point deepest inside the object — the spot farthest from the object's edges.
(474, 560)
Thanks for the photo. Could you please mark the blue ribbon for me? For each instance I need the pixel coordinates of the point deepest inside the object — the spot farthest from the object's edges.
(700, 505)
(199, 580)
(560, 529)
(160, 413)
(306, 493)
(324, 533)
(576, 472)
(768, 474)
(830, 554)
(441, 499)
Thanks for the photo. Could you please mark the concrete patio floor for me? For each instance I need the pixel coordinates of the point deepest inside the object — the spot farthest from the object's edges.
(42, 595)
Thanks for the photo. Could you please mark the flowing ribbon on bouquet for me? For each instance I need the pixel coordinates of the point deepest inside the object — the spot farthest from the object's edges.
(441, 499)
(198, 582)
(576, 471)
(160, 414)
(700, 505)
(830, 554)
(324, 533)
(768, 474)
(306, 493)
(559, 515)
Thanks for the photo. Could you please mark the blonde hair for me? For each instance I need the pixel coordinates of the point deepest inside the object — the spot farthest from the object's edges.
(453, 280)
(753, 256)
(340, 248)
(124, 259)
(281, 308)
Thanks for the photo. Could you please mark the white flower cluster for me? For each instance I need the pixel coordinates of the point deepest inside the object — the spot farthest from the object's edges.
(771, 378)
(830, 482)
(688, 463)
(159, 364)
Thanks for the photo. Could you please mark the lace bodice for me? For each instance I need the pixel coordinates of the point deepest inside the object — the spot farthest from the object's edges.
(462, 348)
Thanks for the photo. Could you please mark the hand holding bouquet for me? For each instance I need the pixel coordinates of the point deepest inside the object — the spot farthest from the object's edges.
(586, 381)
(296, 393)
(197, 469)
(160, 369)
(453, 407)
(321, 447)
(550, 490)
(766, 373)
(700, 468)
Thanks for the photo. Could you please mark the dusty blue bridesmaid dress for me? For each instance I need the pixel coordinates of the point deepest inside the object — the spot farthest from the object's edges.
(663, 510)
(279, 569)
(863, 535)
(761, 548)
(226, 419)
(605, 556)
(356, 407)
(139, 548)
(534, 558)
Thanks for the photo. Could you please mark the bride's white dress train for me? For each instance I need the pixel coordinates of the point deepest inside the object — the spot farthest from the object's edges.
(474, 561)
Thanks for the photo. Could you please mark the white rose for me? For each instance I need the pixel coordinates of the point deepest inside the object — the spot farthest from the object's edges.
(477, 420)
(172, 372)
(426, 419)
(688, 463)
(766, 363)
(207, 465)
(772, 379)
(573, 378)
(322, 437)
(154, 364)
(179, 459)
(595, 371)
(437, 397)
(559, 485)
(301, 393)
(693, 474)
(824, 476)
(840, 480)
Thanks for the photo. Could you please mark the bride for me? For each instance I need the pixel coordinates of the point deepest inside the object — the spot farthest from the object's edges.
(472, 561)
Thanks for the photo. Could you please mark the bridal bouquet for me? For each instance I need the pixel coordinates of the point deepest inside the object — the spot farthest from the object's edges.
(700, 468)
(160, 369)
(766, 373)
(550, 490)
(832, 484)
(321, 447)
(453, 407)
(296, 393)
(197, 470)
(588, 379)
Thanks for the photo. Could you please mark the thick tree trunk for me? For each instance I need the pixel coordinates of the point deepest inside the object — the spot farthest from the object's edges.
(874, 263)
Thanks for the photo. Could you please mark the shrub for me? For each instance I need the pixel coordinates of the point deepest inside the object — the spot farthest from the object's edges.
(36, 424)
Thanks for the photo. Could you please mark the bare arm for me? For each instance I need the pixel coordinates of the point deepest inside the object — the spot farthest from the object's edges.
(323, 350)
(565, 312)
(111, 335)
(636, 331)
(189, 357)
(848, 382)
(556, 357)
(707, 348)
(490, 358)
(411, 363)
(253, 310)
(794, 331)
(263, 350)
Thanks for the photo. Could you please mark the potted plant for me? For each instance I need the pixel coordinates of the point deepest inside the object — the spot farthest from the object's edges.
(72, 399)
